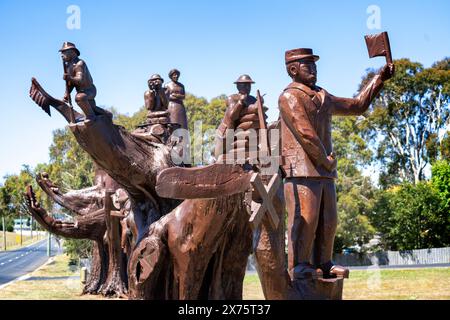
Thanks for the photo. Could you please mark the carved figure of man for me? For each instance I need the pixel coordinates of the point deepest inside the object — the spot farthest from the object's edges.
(78, 76)
(309, 163)
(241, 112)
(176, 94)
(155, 98)
(268, 243)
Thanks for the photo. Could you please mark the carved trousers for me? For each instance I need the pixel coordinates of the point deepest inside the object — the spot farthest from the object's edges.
(312, 220)
(86, 103)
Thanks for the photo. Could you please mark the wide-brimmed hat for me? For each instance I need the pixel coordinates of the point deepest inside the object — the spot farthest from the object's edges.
(299, 54)
(69, 45)
(245, 78)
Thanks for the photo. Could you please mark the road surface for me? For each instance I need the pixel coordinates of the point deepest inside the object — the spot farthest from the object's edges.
(16, 263)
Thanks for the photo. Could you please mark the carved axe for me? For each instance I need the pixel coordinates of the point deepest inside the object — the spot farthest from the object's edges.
(378, 46)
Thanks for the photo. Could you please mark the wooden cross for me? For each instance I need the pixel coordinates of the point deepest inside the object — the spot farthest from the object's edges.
(108, 207)
(266, 193)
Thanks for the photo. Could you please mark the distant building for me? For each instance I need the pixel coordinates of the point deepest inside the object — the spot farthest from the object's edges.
(21, 222)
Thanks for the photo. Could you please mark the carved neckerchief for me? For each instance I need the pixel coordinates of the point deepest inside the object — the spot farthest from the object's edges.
(317, 95)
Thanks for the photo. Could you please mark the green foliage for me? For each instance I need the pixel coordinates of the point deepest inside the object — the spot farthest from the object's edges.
(9, 222)
(70, 166)
(441, 181)
(130, 122)
(411, 217)
(406, 118)
(348, 143)
(354, 192)
(77, 249)
(445, 146)
(354, 204)
(209, 115)
(12, 202)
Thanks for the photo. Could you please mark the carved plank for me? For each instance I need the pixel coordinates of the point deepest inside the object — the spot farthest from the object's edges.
(213, 181)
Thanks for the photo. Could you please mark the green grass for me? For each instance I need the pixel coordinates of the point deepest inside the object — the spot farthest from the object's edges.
(252, 288)
(430, 283)
(52, 283)
(406, 284)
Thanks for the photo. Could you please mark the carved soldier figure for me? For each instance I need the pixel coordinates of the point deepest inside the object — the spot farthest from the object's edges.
(155, 98)
(310, 164)
(241, 113)
(175, 94)
(77, 76)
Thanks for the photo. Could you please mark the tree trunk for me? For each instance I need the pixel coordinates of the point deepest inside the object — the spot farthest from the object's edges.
(99, 267)
(198, 251)
(108, 269)
(115, 283)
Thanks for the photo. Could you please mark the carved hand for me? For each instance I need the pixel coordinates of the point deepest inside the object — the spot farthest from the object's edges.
(331, 163)
(236, 109)
(387, 72)
(66, 97)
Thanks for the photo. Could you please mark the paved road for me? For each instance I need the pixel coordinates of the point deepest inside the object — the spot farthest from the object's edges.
(16, 263)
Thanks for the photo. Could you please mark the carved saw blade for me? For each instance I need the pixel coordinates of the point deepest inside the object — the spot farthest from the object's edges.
(208, 182)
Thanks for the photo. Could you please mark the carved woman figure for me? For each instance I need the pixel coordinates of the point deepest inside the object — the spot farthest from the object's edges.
(176, 94)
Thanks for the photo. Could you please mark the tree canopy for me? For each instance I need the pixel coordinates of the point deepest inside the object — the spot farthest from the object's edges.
(407, 119)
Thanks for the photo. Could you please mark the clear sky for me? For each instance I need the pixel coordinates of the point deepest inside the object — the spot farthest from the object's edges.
(210, 42)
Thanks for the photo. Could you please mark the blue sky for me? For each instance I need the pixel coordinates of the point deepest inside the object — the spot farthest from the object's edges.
(211, 42)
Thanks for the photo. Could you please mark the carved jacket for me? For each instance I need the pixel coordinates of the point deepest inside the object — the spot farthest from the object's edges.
(81, 78)
(175, 92)
(306, 125)
(155, 100)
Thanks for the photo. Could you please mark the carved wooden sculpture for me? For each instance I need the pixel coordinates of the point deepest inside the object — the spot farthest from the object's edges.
(198, 250)
(92, 221)
(306, 111)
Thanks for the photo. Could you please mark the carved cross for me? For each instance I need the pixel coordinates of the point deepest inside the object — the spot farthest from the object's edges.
(266, 193)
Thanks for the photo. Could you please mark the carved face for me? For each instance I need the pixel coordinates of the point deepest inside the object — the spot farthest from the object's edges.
(304, 71)
(244, 87)
(175, 76)
(154, 84)
(68, 55)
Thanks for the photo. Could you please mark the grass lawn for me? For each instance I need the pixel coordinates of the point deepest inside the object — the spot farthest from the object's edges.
(406, 284)
(51, 282)
(57, 281)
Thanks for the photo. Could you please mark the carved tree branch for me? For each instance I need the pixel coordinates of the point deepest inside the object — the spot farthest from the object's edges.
(80, 202)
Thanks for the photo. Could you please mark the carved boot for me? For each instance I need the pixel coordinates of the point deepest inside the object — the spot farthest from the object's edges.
(330, 270)
(306, 271)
